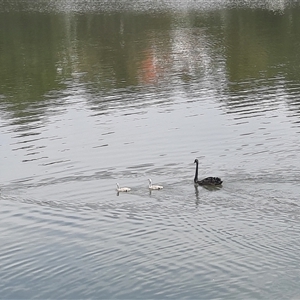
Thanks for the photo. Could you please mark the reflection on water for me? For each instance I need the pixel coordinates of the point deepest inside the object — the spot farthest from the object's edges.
(88, 6)
(94, 93)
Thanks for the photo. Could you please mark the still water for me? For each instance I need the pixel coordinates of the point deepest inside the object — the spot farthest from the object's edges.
(93, 93)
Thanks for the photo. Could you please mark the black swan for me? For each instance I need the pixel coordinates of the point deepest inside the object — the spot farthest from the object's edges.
(207, 180)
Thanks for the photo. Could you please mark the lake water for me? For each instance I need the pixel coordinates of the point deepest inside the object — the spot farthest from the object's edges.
(93, 93)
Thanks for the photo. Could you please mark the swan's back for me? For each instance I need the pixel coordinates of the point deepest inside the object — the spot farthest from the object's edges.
(210, 181)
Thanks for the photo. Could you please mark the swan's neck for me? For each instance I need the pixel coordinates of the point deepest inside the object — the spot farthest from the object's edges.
(196, 173)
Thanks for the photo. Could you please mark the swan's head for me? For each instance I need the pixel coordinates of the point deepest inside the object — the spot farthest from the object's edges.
(118, 186)
(150, 181)
(196, 161)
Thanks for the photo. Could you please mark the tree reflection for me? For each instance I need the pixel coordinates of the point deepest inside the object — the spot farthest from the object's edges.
(42, 54)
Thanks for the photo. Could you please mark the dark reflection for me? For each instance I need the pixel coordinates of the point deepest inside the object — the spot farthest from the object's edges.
(261, 58)
(261, 43)
(117, 50)
(197, 194)
(207, 187)
(30, 46)
(210, 188)
(44, 56)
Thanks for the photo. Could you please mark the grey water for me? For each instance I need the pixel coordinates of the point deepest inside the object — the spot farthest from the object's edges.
(93, 93)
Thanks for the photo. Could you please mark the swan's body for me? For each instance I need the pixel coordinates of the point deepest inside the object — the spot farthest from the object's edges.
(123, 189)
(154, 187)
(207, 180)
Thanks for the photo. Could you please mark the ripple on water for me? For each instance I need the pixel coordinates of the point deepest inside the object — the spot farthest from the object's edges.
(142, 245)
(66, 233)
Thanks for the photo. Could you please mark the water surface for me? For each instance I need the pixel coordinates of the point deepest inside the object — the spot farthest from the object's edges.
(92, 94)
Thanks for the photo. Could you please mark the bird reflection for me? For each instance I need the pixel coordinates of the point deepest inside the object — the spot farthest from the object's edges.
(196, 194)
(210, 188)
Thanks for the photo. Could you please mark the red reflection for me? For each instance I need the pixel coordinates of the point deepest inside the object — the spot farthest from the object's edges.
(149, 68)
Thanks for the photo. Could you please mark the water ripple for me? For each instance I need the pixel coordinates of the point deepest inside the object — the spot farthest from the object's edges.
(98, 120)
